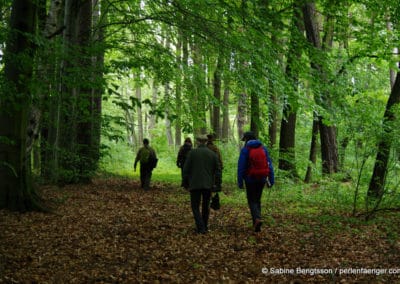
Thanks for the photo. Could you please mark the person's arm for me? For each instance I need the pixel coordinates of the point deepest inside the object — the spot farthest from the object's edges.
(179, 158)
(218, 174)
(219, 158)
(271, 176)
(137, 158)
(242, 166)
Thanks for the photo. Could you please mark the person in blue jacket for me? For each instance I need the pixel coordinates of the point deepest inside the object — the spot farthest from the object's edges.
(254, 186)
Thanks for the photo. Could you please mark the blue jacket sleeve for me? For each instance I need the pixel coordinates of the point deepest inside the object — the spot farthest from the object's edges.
(242, 166)
(271, 167)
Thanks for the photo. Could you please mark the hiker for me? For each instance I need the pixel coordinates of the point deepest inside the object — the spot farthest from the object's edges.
(213, 147)
(182, 155)
(201, 173)
(148, 159)
(255, 169)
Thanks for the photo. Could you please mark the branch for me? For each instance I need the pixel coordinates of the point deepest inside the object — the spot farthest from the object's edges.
(351, 60)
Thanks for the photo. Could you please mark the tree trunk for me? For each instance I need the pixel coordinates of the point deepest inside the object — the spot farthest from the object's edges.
(98, 82)
(287, 155)
(154, 96)
(241, 114)
(329, 147)
(16, 189)
(66, 156)
(168, 129)
(199, 92)
(50, 105)
(313, 150)
(255, 114)
(273, 116)
(287, 141)
(130, 120)
(33, 143)
(138, 94)
(84, 138)
(279, 39)
(377, 182)
(76, 141)
(225, 114)
(216, 122)
(178, 90)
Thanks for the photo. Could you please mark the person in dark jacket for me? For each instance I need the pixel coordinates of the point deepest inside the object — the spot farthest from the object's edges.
(182, 154)
(146, 156)
(201, 173)
(254, 187)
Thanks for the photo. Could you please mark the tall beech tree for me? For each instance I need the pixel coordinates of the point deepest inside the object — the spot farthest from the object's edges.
(241, 114)
(48, 105)
(178, 88)
(216, 109)
(329, 147)
(72, 138)
(225, 113)
(86, 106)
(287, 157)
(255, 123)
(98, 87)
(377, 182)
(138, 96)
(16, 188)
(312, 158)
(198, 88)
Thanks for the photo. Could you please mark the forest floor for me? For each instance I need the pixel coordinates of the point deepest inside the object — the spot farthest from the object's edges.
(113, 232)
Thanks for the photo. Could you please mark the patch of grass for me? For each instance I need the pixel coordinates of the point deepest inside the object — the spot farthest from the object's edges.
(306, 199)
(233, 198)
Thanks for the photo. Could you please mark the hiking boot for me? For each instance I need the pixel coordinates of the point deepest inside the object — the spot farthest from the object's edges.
(201, 232)
(257, 225)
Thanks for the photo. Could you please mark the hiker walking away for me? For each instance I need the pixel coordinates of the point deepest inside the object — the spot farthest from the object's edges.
(255, 169)
(182, 154)
(201, 173)
(147, 157)
(214, 148)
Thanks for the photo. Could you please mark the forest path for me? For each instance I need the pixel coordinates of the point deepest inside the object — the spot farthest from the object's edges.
(113, 232)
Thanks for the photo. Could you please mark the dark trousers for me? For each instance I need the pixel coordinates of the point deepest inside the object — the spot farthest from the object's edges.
(202, 196)
(145, 176)
(254, 191)
(182, 176)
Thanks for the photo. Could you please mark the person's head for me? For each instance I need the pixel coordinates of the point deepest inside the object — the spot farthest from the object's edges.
(201, 139)
(146, 141)
(211, 137)
(249, 135)
(188, 140)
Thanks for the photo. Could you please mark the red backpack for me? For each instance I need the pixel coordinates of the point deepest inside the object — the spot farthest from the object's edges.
(258, 166)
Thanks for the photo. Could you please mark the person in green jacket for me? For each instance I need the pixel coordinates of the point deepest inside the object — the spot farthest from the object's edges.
(146, 156)
(201, 175)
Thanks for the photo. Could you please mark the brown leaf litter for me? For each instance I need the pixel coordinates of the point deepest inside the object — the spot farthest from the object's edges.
(113, 232)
